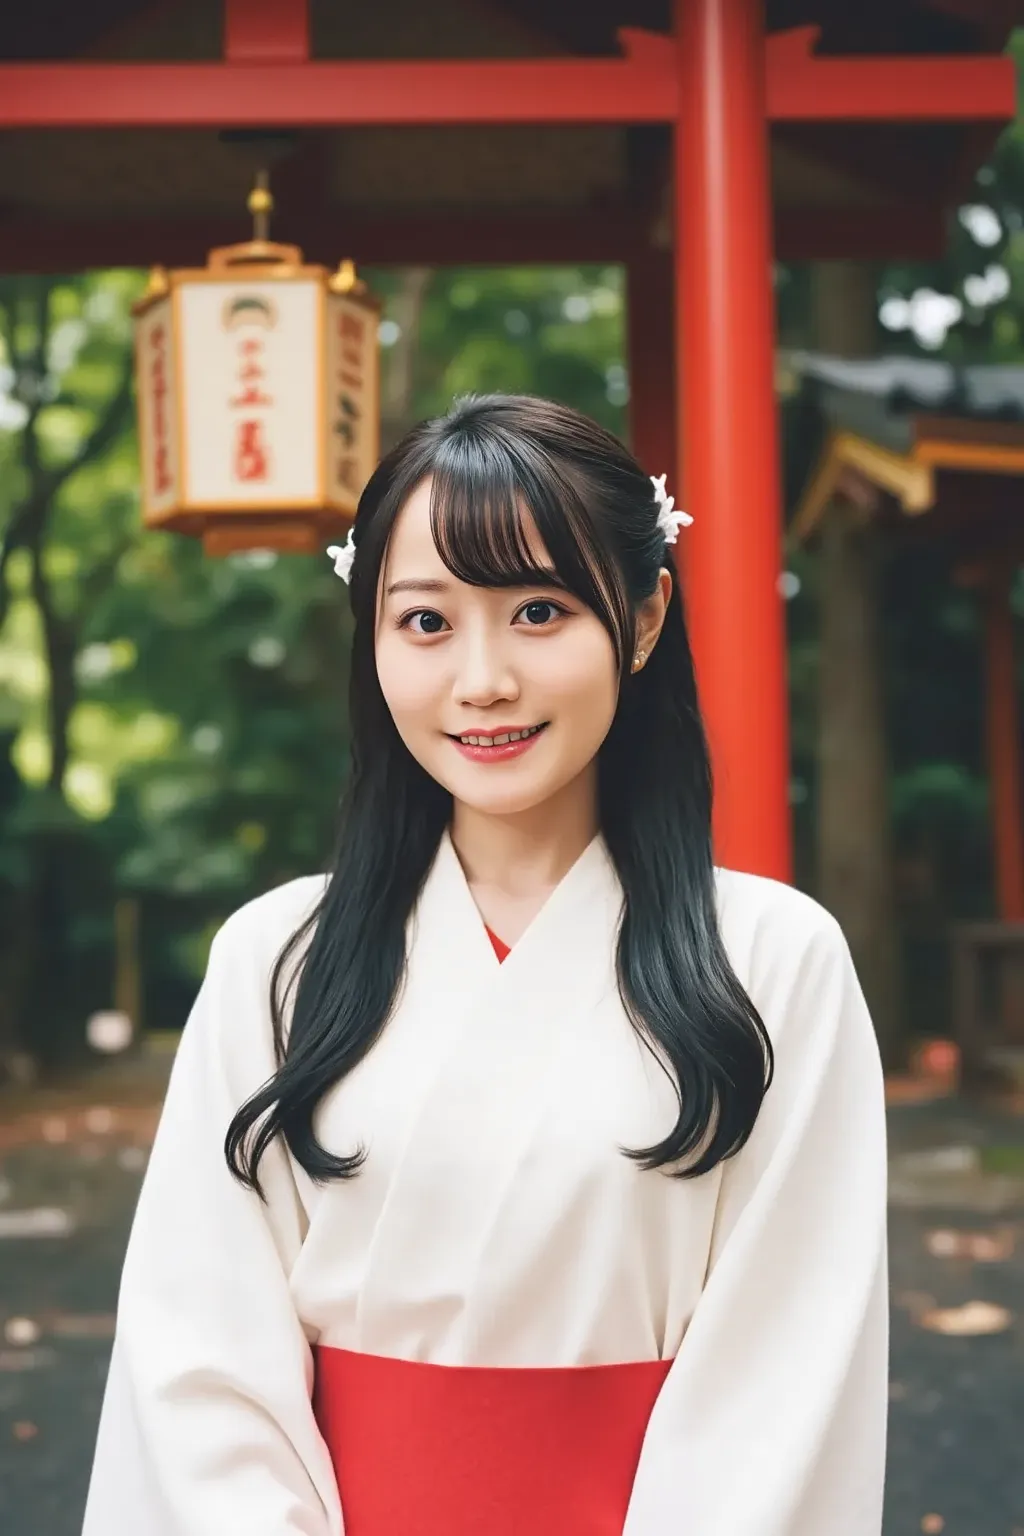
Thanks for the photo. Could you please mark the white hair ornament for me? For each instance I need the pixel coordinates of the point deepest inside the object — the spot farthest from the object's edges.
(343, 556)
(668, 521)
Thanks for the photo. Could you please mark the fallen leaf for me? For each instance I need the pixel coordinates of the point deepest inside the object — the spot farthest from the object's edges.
(981, 1247)
(95, 1325)
(991, 1248)
(43, 1221)
(109, 1031)
(936, 1058)
(25, 1359)
(21, 1330)
(944, 1245)
(939, 1160)
(99, 1121)
(974, 1317)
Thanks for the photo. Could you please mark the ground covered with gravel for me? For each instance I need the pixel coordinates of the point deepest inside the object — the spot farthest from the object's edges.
(70, 1170)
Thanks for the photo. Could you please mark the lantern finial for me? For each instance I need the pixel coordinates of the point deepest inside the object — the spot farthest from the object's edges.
(260, 203)
(157, 287)
(346, 279)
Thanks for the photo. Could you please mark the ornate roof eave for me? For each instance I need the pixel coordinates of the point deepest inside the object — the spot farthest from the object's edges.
(911, 479)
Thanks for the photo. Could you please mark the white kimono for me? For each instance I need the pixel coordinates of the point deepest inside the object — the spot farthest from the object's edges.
(496, 1222)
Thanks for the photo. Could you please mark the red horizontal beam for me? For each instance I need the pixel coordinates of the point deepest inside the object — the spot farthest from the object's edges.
(640, 87)
(516, 239)
(329, 94)
(801, 87)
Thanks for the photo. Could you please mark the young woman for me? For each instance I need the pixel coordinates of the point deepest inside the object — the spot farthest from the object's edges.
(553, 1194)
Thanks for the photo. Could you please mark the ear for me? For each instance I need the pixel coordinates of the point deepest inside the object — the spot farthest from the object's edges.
(651, 614)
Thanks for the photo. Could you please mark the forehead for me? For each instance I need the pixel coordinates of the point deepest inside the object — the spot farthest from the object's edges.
(411, 548)
(411, 543)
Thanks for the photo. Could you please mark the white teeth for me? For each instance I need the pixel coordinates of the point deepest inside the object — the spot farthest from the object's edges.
(498, 741)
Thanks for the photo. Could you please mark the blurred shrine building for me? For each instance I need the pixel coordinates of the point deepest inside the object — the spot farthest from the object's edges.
(931, 455)
(690, 141)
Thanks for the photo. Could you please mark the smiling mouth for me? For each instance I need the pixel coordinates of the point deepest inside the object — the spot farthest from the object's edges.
(503, 738)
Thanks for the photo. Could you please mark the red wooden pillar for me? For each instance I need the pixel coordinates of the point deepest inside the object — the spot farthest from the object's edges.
(727, 425)
(266, 31)
(1004, 755)
(650, 338)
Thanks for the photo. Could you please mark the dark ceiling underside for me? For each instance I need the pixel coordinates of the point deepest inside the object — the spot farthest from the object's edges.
(49, 29)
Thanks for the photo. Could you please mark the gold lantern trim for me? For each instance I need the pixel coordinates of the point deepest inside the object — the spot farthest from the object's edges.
(258, 395)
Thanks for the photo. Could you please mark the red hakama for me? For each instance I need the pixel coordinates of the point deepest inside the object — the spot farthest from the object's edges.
(442, 1450)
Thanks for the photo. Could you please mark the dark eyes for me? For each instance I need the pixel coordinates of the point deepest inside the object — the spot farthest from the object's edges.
(535, 611)
(538, 614)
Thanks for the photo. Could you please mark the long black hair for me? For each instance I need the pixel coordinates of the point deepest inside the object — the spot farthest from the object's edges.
(596, 512)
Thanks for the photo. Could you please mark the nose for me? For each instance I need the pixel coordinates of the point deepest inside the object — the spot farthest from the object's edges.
(483, 674)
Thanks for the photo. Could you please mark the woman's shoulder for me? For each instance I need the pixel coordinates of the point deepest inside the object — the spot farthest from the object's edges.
(263, 924)
(763, 919)
(232, 1015)
(792, 958)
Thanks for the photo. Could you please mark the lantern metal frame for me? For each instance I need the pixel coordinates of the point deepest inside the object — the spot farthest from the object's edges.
(296, 525)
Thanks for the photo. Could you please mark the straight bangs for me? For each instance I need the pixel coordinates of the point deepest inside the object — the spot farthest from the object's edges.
(483, 490)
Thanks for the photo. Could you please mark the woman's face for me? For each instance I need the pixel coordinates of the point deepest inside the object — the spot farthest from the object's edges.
(456, 661)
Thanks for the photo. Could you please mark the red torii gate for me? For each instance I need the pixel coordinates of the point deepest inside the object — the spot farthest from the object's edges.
(717, 81)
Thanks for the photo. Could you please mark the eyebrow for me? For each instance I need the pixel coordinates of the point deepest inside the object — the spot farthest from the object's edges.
(418, 584)
(427, 584)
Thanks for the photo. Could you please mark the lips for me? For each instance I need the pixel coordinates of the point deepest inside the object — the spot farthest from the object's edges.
(488, 749)
(498, 736)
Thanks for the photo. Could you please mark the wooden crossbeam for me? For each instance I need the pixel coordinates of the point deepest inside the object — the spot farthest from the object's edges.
(640, 87)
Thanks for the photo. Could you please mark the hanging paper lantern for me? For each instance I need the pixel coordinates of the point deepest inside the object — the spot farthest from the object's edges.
(258, 396)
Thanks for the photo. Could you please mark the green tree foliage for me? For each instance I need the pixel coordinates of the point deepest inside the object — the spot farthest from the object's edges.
(66, 407)
(556, 332)
(203, 729)
(968, 306)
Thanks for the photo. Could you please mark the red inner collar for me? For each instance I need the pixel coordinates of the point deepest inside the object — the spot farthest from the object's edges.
(501, 949)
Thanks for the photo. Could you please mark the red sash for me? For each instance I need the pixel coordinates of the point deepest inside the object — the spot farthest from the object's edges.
(441, 1450)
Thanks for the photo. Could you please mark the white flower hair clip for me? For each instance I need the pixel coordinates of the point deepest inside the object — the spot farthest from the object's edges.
(343, 555)
(668, 521)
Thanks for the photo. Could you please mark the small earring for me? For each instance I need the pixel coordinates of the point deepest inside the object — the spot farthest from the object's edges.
(638, 660)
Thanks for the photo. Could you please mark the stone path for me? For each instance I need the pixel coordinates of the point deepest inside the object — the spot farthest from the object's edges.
(956, 1464)
(956, 1421)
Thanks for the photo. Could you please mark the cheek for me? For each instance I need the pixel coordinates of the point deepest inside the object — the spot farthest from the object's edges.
(408, 688)
(581, 673)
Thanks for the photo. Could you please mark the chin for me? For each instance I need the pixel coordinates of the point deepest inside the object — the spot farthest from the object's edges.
(500, 800)
(507, 807)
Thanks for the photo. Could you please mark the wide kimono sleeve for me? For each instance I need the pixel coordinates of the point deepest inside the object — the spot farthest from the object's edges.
(207, 1427)
(772, 1419)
